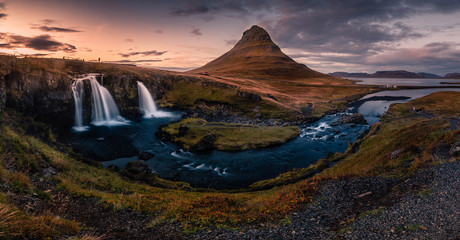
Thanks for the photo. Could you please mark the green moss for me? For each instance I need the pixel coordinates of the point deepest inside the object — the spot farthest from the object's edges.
(199, 134)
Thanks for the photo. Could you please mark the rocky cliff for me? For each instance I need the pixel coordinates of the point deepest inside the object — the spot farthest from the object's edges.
(41, 88)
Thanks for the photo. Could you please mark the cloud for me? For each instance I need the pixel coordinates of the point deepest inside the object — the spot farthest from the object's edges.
(57, 29)
(231, 42)
(146, 53)
(2, 7)
(42, 42)
(159, 31)
(358, 27)
(203, 7)
(130, 40)
(48, 21)
(196, 32)
(435, 57)
(191, 9)
(435, 54)
(145, 61)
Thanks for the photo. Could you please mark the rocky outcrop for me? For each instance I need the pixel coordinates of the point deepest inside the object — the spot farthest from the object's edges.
(355, 118)
(251, 96)
(146, 155)
(2, 94)
(138, 170)
(45, 95)
(206, 142)
(41, 88)
(455, 150)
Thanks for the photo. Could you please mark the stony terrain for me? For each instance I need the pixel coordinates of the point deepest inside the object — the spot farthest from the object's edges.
(426, 206)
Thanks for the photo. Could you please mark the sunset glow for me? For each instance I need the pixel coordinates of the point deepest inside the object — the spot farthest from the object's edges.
(181, 35)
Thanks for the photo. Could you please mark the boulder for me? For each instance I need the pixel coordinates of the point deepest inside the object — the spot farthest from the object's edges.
(146, 155)
(183, 129)
(206, 142)
(395, 154)
(354, 118)
(113, 168)
(138, 170)
(455, 150)
(252, 96)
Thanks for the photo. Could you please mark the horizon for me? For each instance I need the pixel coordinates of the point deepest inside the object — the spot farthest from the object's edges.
(327, 36)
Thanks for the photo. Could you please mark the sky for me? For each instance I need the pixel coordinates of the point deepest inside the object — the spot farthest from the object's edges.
(326, 35)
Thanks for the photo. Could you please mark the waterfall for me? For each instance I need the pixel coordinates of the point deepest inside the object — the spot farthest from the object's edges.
(78, 96)
(147, 105)
(104, 109)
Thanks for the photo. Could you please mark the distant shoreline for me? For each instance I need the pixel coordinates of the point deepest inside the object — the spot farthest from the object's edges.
(449, 83)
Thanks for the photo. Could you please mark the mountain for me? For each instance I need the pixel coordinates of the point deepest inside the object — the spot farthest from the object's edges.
(428, 75)
(257, 56)
(395, 74)
(386, 74)
(346, 74)
(452, 75)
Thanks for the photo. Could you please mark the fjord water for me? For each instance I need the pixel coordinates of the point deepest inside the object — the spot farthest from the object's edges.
(218, 169)
(407, 81)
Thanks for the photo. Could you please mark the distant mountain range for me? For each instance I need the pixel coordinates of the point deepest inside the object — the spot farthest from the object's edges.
(395, 74)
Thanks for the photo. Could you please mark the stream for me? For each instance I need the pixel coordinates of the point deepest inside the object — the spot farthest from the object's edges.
(230, 170)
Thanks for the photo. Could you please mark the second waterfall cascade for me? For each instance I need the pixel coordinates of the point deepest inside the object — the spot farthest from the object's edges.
(147, 105)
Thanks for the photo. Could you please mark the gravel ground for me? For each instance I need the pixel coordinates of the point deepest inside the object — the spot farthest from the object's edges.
(425, 206)
(433, 213)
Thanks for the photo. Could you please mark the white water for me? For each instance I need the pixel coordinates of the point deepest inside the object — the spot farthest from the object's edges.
(147, 105)
(104, 109)
(78, 96)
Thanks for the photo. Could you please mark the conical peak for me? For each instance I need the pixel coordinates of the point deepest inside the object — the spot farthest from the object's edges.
(257, 56)
(255, 34)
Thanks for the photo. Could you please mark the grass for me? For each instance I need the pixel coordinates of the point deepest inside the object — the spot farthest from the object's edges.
(211, 97)
(227, 137)
(416, 134)
(15, 224)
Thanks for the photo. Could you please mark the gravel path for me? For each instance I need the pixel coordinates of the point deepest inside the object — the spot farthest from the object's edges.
(434, 213)
(425, 206)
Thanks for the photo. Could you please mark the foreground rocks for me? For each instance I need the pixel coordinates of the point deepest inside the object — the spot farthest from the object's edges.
(354, 118)
(424, 206)
(138, 170)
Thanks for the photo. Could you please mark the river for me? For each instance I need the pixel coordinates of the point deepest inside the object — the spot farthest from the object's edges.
(227, 170)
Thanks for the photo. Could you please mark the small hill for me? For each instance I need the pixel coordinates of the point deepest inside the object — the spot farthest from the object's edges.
(452, 75)
(257, 56)
(346, 74)
(395, 74)
(386, 74)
